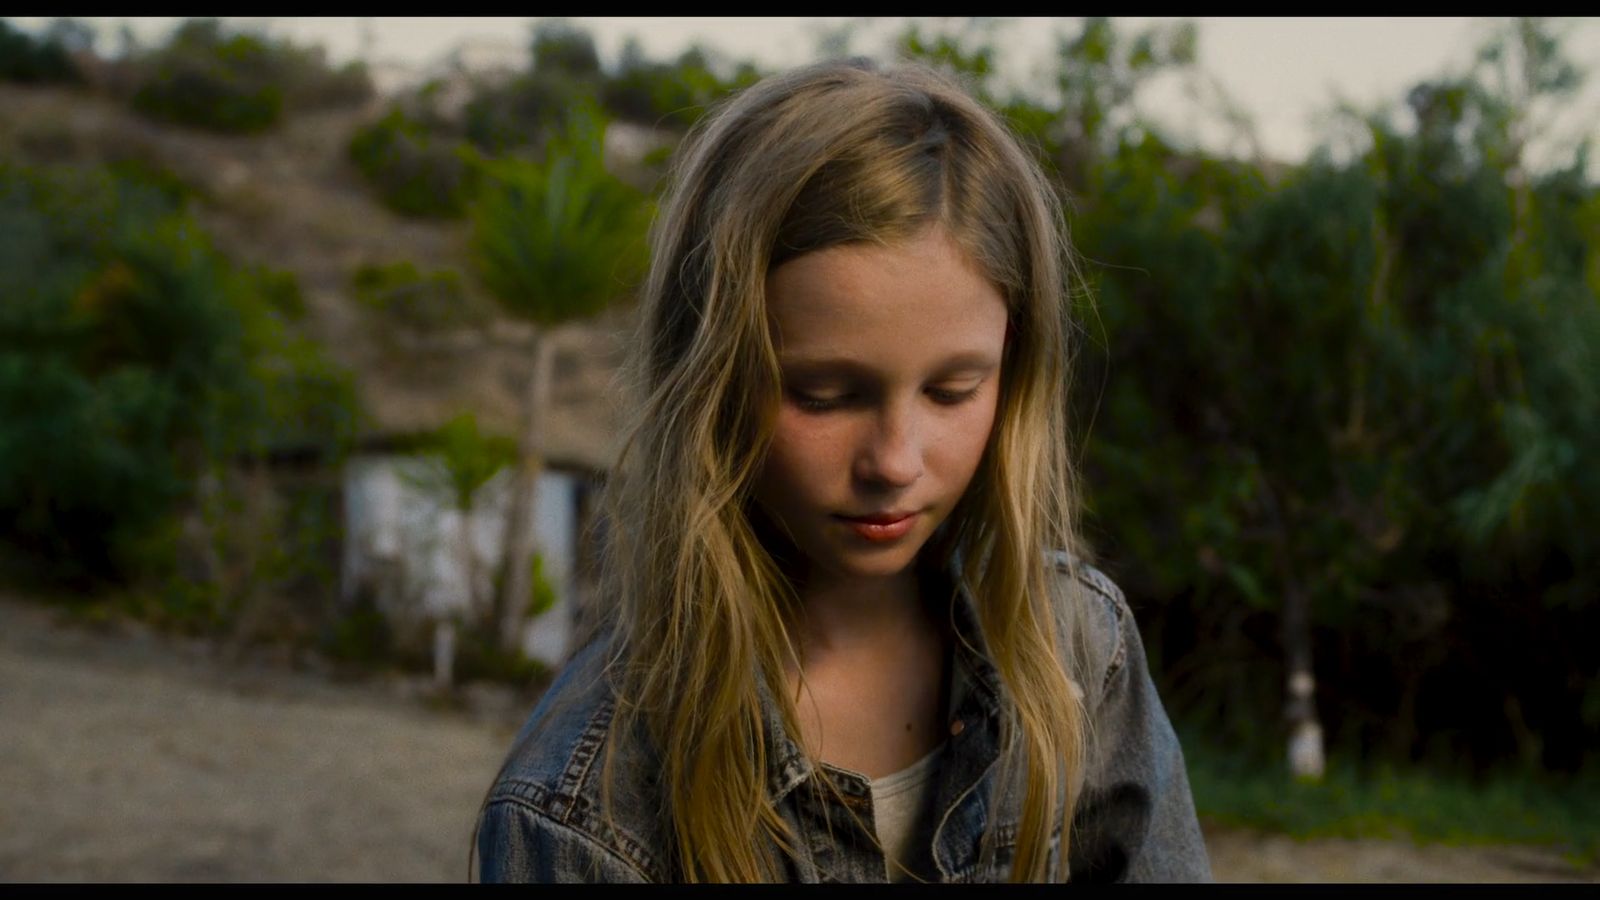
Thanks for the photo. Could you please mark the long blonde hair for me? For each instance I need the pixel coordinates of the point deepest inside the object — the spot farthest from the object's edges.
(823, 155)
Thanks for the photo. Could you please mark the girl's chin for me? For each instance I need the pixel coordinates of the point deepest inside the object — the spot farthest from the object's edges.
(870, 561)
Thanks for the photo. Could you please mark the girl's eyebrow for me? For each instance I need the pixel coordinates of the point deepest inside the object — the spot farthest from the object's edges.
(974, 361)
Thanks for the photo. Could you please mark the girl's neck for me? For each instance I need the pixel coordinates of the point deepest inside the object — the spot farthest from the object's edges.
(846, 615)
(869, 695)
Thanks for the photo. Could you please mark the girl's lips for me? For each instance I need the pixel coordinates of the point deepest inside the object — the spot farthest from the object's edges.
(879, 528)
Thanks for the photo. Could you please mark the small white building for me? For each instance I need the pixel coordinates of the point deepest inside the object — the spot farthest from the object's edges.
(403, 545)
(403, 540)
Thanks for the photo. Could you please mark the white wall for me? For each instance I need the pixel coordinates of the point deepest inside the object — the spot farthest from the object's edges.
(403, 542)
(556, 524)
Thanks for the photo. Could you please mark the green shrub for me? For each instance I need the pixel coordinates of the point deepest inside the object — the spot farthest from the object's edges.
(1369, 383)
(280, 291)
(140, 170)
(522, 112)
(113, 338)
(478, 657)
(207, 78)
(133, 358)
(674, 94)
(203, 80)
(29, 60)
(180, 605)
(361, 635)
(544, 592)
(559, 46)
(404, 296)
(414, 172)
(565, 72)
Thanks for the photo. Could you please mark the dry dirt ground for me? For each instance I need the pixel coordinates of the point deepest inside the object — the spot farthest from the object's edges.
(131, 756)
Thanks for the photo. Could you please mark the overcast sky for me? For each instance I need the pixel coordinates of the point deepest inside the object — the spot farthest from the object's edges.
(1284, 72)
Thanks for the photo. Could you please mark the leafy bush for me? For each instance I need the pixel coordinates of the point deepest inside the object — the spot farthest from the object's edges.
(360, 635)
(544, 593)
(153, 174)
(31, 60)
(669, 94)
(133, 358)
(239, 83)
(478, 658)
(1370, 386)
(207, 80)
(523, 111)
(280, 292)
(415, 172)
(1361, 388)
(424, 303)
(565, 72)
(560, 47)
(313, 85)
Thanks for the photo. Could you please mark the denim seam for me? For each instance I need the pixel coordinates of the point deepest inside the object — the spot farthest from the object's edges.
(592, 840)
(581, 759)
(1097, 583)
(568, 805)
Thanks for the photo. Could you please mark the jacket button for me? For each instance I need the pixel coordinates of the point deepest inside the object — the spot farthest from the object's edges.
(957, 726)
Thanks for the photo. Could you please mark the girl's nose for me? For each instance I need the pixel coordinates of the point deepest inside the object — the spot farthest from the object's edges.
(892, 455)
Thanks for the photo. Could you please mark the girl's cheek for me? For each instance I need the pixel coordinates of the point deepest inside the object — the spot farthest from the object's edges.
(804, 452)
(801, 435)
(976, 435)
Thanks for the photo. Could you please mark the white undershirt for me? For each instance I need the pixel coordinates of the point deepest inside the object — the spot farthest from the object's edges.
(901, 804)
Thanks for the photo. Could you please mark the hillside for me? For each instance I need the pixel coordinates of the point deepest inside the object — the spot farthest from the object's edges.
(289, 199)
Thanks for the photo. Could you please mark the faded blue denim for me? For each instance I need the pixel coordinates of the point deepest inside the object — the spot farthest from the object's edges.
(1135, 820)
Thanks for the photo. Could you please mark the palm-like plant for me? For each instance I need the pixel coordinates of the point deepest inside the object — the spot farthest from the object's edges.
(459, 460)
(555, 239)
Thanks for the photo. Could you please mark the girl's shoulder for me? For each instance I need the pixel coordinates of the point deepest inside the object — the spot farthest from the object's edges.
(574, 711)
(551, 782)
(1136, 818)
(1096, 621)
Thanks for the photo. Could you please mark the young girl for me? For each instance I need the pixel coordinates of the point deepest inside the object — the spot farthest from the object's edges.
(847, 634)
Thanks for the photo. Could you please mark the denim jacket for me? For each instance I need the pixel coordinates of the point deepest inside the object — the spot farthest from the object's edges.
(1135, 818)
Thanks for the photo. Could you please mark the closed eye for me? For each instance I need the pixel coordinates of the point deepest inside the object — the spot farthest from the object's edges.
(952, 398)
(941, 396)
(819, 404)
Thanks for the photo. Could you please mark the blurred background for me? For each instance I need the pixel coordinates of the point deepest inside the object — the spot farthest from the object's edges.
(308, 330)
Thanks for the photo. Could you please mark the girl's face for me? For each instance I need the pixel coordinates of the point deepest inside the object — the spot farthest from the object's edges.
(890, 362)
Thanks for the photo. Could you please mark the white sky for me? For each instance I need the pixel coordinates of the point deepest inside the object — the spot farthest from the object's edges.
(1283, 72)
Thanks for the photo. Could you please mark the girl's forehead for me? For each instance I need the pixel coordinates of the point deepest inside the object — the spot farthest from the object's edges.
(918, 297)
